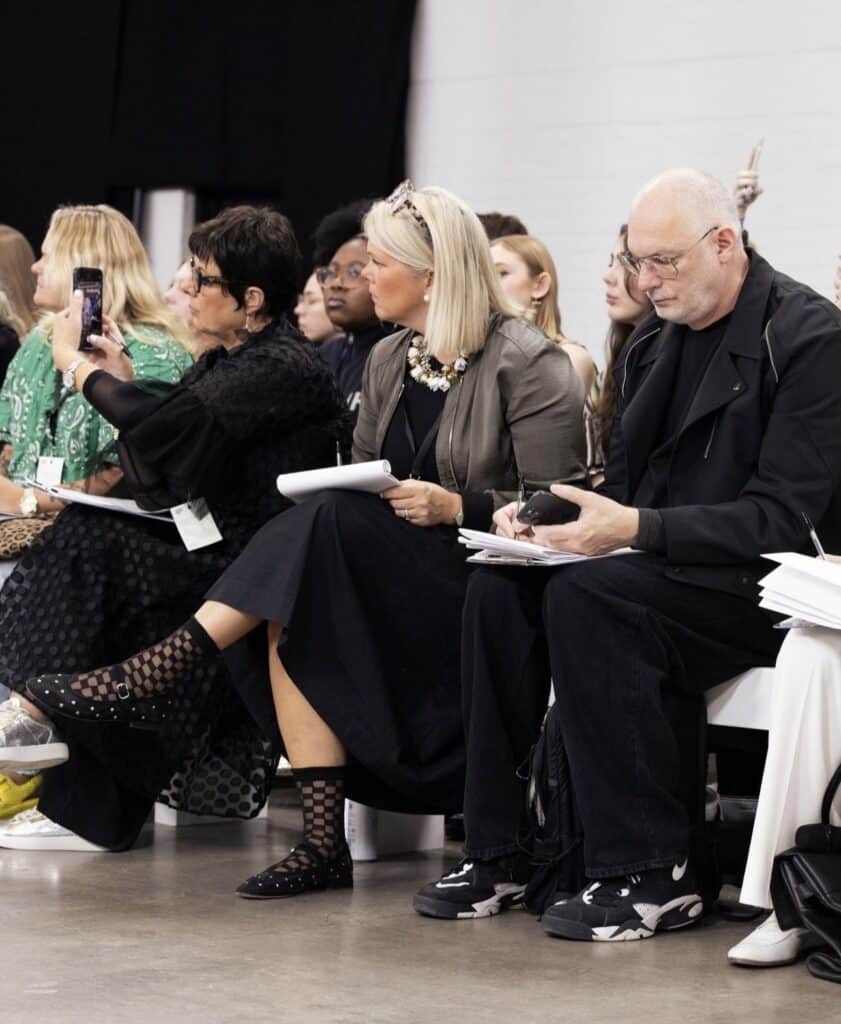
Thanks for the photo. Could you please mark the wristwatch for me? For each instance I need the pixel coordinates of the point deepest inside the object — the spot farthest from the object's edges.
(28, 502)
(68, 378)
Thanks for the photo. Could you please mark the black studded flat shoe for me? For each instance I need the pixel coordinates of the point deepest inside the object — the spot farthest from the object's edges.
(61, 695)
(316, 876)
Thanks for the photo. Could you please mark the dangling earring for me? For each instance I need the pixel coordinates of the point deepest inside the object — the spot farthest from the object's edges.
(534, 306)
(426, 298)
(249, 326)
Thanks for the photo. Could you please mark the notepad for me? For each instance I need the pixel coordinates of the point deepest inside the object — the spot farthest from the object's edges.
(125, 506)
(493, 549)
(368, 477)
(805, 588)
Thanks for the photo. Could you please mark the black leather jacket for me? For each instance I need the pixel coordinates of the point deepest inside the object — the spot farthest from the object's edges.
(761, 444)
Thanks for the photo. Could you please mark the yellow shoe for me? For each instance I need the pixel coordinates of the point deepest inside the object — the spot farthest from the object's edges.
(16, 797)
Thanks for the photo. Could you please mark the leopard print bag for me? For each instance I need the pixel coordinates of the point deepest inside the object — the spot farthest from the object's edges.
(18, 533)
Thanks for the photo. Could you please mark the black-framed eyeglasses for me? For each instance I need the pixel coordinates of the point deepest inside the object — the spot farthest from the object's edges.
(199, 279)
(664, 267)
(350, 274)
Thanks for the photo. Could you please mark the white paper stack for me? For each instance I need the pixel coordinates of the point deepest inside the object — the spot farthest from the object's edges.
(123, 505)
(808, 589)
(370, 477)
(495, 550)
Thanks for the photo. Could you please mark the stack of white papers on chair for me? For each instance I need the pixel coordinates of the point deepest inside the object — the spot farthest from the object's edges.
(808, 589)
(495, 550)
(370, 477)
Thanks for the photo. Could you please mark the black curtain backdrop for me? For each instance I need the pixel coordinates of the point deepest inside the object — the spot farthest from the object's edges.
(293, 103)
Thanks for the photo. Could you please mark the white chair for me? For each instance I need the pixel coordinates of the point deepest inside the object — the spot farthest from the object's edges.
(743, 702)
(372, 833)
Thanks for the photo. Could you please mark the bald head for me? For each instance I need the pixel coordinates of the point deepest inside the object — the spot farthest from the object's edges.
(687, 198)
(684, 234)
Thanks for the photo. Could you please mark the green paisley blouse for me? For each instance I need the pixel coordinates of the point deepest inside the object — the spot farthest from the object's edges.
(38, 416)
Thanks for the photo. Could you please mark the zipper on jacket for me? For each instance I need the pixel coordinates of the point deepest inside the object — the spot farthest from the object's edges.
(392, 411)
(452, 430)
(712, 435)
(639, 341)
(770, 353)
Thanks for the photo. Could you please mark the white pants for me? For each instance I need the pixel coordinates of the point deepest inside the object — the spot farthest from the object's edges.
(804, 749)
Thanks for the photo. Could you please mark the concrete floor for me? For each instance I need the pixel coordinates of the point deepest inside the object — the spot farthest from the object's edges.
(157, 935)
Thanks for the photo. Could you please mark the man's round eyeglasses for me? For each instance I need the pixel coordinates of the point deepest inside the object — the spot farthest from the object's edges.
(664, 267)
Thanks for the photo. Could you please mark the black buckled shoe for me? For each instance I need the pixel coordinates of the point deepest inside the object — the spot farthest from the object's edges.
(333, 873)
(56, 695)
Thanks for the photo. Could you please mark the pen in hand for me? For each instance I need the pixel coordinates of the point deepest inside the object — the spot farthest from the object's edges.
(814, 537)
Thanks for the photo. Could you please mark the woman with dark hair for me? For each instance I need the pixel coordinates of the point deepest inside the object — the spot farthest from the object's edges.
(99, 584)
(627, 307)
(340, 256)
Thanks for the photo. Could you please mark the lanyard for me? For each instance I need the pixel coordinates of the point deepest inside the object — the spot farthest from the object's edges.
(60, 396)
(421, 453)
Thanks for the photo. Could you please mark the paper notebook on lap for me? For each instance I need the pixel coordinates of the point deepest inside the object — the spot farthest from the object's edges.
(806, 588)
(495, 550)
(368, 477)
(123, 505)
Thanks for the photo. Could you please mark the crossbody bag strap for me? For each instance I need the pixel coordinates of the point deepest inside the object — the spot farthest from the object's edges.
(829, 795)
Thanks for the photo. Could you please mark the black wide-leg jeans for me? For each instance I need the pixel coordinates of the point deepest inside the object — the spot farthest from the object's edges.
(630, 652)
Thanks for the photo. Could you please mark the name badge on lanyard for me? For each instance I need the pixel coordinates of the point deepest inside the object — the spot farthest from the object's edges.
(50, 470)
(196, 525)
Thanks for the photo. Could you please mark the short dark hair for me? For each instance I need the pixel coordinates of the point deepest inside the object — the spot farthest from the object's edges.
(255, 247)
(498, 224)
(336, 228)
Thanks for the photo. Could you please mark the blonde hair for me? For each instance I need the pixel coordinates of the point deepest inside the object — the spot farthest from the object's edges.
(100, 236)
(546, 313)
(17, 281)
(465, 288)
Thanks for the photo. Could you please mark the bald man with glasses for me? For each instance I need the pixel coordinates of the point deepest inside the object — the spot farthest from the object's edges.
(727, 431)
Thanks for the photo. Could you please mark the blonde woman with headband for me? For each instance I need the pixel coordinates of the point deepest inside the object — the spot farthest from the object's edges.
(362, 594)
(41, 417)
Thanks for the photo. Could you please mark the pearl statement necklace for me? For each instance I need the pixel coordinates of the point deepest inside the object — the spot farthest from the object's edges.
(422, 371)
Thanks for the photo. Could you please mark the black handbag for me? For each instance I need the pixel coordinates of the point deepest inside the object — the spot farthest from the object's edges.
(806, 887)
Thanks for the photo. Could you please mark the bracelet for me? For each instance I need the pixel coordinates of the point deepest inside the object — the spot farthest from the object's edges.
(28, 502)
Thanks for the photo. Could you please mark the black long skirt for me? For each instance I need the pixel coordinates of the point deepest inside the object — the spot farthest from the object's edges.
(94, 588)
(371, 608)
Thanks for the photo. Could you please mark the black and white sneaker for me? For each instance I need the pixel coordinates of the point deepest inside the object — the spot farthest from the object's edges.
(633, 907)
(476, 888)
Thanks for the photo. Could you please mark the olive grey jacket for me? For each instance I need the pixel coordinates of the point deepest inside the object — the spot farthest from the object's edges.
(517, 412)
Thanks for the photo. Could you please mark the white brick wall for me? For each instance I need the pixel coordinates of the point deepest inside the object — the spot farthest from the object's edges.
(558, 110)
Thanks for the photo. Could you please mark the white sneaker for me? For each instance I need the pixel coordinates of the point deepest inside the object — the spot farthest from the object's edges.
(770, 946)
(27, 742)
(32, 830)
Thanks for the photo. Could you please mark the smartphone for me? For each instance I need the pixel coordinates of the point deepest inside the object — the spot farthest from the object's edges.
(755, 154)
(88, 280)
(546, 509)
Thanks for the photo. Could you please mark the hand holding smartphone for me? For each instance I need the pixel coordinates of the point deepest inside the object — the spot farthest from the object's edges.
(546, 509)
(88, 280)
(748, 188)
